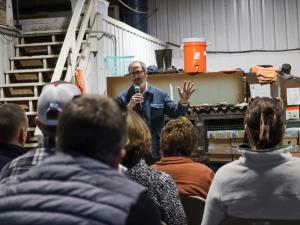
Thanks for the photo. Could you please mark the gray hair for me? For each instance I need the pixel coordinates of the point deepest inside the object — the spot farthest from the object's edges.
(143, 65)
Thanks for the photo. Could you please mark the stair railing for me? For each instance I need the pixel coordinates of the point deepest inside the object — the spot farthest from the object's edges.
(72, 43)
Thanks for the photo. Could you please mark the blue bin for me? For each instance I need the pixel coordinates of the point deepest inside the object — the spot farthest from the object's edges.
(117, 65)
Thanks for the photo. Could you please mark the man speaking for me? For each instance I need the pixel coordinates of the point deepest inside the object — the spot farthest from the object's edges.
(151, 103)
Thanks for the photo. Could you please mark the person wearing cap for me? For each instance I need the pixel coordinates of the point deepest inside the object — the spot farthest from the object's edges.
(53, 98)
(13, 132)
(80, 184)
(151, 103)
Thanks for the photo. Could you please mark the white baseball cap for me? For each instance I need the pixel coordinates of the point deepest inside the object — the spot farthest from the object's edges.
(53, 99)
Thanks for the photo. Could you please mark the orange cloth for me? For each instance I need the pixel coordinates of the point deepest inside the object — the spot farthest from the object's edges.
(79, 80)
(192, 178)
(265, 75)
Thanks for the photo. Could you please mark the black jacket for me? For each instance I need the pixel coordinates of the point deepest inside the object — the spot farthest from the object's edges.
(8, 152)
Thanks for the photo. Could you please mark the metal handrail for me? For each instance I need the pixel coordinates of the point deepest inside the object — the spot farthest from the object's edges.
(72, 43)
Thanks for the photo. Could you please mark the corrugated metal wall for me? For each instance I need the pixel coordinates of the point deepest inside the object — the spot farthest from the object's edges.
(130, 42)
(230, 25)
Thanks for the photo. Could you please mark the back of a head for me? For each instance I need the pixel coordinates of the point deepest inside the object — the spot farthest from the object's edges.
(53, 99)
(178, 137)
(139, 140)
(93, 126)
(265, 123)
(12, 118)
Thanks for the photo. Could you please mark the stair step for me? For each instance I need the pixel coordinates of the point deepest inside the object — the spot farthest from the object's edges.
(33, 62)
(44, 32)
(38, 44)
(34, 57)
(31, 75)
(21, 90)
(31, 129)
(31, 113)
(22, 84)
(29, 104)
(30, 70)
(15, 99)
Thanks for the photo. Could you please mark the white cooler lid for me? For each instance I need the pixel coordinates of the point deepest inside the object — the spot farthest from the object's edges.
(193, 39)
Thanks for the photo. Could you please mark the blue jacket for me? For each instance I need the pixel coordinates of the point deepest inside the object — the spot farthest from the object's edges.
(156, 104)
(66, 190)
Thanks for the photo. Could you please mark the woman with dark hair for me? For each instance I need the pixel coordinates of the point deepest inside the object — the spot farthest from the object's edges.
(264, 181)
(178, 139)
(161, 187)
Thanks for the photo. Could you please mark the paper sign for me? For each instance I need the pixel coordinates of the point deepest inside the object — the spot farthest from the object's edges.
(293, 96)
(292, 112)
(260, 90)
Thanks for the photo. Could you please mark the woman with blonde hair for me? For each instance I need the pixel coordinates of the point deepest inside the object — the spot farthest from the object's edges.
(161, 187)
(264, 182)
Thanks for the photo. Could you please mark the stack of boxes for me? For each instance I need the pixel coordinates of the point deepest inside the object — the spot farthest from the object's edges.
(222, 141)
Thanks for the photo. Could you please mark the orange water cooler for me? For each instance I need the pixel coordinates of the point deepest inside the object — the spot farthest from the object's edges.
(194, 55)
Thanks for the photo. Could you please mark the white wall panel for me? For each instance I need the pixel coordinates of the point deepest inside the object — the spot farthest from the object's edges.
(208, 23)
(233, 26)
(280, 24)
(130, 42)
(173, 21)
(244, 24)
(292, 24)
(230, 25)
(231, 17)
(220, 25)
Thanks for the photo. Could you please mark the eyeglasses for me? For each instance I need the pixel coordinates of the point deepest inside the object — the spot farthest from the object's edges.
(137, 73)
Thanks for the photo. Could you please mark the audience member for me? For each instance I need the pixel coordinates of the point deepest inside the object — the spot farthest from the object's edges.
(151, 103)
(52, 100)
(264, 181)
(13, 132)
(161, 187)
(80, 184)
(178, 139)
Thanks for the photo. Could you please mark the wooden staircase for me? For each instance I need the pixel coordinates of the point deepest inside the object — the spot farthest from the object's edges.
(45, 56)
(30, 69)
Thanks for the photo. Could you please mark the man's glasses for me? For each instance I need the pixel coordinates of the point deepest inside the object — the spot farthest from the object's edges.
(136, 73)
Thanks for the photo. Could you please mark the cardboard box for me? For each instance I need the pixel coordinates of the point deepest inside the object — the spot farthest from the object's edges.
(219, 150)
(287, 141)
(219, 143)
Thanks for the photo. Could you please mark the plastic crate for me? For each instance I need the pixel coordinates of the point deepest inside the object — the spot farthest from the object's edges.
(117, 65)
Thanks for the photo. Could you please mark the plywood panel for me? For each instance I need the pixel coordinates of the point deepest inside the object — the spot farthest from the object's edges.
(211, 88)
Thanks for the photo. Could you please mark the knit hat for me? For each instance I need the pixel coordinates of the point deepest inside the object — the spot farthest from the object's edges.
(52, 100)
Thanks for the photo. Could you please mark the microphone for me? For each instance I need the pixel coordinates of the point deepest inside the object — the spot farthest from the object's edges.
(137, 89)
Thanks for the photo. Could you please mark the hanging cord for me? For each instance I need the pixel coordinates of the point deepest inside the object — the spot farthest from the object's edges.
(137, 11)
